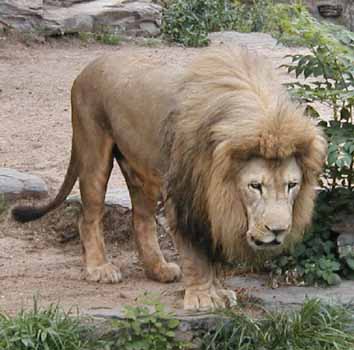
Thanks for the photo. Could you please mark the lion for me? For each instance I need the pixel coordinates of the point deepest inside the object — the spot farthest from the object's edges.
(234, 159)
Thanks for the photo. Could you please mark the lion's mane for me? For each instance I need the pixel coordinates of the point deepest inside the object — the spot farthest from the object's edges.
(231, 108)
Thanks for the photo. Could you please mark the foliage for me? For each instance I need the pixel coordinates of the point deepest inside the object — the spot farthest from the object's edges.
(188, 22)
(147, 327)
(103, 37)
(315, 259)
(47, 329)
(314, 327)
(331, 84)
(327, 76)
(3, 203)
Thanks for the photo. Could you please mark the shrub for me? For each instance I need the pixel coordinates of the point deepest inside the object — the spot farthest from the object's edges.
(328, 79)
(147, 327)
(189, 22)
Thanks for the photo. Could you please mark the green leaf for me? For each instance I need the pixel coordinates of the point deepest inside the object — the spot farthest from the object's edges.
(333, 279)
(350, 262)
(173, 323)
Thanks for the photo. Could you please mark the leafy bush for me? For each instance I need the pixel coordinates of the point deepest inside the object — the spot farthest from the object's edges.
(316, 259)
(314, 327)
(147, 327)
(328, 80)
(331, 84)
(188, 22)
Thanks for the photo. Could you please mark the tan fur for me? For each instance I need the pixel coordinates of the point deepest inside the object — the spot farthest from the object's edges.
(253, 117)
(186, 134)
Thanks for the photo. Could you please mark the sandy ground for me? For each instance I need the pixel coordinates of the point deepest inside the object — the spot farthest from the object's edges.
(43, 258)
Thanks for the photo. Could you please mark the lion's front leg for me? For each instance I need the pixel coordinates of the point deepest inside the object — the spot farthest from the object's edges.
(203, 291)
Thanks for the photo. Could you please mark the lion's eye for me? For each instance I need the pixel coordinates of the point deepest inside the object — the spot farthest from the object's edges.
(291, 185)
(256, 186)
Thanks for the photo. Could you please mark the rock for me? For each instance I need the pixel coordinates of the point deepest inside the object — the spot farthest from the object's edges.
(15, 185)
(23, 15)
(330, 10)
(56, 17)
(118, 197)
(291, 297)
(339, 11)
(63, 3)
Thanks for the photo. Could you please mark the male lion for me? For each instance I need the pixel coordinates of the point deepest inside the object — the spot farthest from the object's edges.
(234, 159)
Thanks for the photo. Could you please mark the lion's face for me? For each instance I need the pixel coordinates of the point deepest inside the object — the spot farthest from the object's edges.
(269, 190)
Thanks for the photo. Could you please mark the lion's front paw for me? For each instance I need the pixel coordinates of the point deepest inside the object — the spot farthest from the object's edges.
(106, 273)
(167, 272)
(208, 298)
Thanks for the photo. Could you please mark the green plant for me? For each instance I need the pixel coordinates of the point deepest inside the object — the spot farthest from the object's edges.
(316, 259)
(327, 73)
(189, 22)
(103, 37)
(147, 327)
(332, 83)
(3, 203)
(315, 326)
(42, 329)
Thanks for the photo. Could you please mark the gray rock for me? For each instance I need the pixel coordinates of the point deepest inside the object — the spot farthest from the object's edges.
(290, 297)
(15, 185)
(53, 17)
(24, 15)
(63, 3)
(118, 197)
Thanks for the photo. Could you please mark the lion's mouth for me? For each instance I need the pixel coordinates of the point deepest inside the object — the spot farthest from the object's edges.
(272, 243)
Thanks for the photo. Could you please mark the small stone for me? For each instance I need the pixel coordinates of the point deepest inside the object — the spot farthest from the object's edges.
(16, 185)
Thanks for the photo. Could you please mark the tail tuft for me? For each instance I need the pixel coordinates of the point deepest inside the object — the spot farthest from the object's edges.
(25, 214)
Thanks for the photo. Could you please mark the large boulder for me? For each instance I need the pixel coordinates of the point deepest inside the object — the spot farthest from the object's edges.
(57, 17)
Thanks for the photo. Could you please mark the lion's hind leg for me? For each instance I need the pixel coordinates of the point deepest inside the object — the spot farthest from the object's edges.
(96, 162)
(144, 200)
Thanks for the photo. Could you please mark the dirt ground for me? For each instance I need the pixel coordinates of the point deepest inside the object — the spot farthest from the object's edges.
(43, 258)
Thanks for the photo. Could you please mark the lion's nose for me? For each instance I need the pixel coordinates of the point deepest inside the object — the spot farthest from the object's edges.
(276, 231)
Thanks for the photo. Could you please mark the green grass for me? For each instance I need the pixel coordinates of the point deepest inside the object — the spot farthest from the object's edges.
(43, 329)
(314, 327)
(103, 38)
(3, 203)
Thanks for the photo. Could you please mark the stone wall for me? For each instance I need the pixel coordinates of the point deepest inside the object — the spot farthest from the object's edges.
(57, 17)
(336, 11)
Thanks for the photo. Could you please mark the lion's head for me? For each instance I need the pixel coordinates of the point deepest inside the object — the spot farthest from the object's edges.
(269, 191)
(244, 160)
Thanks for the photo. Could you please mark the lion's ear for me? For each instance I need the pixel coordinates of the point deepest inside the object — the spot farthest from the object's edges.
(311, 161)
(315, 157)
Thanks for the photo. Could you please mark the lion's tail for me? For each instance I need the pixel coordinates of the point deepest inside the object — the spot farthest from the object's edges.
(29, 213)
